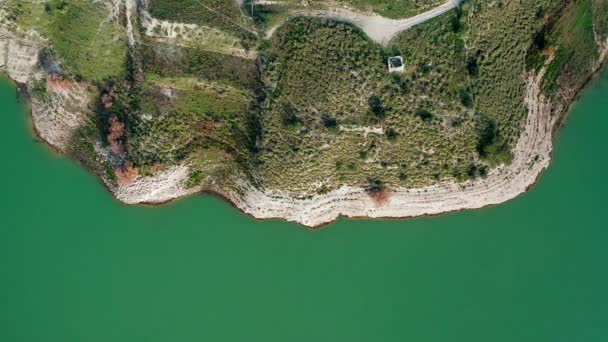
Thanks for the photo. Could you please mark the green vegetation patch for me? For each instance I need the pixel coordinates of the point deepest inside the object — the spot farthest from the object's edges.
(176, 61)
(162, 138)
(323, 65)
(267, 16)
(496, 40)
(211, 99)
(395, 8)
(178, 117)
(336, 116)
(222, 14)
(195, 106)
(573, 38)
(91, 45)
(600, 12)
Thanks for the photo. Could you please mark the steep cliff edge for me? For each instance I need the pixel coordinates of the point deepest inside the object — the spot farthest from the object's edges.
(58, 106)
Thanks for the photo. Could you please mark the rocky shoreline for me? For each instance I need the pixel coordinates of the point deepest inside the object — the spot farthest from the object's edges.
(19, 58)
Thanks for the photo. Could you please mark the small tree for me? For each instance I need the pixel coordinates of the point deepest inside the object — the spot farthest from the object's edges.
(465, 98)
(472, 66)
(391, 134)
(116, 134)
(378, 191)
(290, 115)
(376, 108)
(425, 115)
(329, 121)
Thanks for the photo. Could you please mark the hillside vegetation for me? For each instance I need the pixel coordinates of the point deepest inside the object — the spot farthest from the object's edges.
(90, 43)
(395, 9)
(335, 116)
(317, 109)
(221, 14)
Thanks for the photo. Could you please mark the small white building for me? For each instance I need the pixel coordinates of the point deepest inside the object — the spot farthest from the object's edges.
(395, 64)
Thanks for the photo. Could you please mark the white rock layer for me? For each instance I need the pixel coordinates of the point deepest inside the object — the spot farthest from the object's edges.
(59, 114)
(18, 56)
(162, 187)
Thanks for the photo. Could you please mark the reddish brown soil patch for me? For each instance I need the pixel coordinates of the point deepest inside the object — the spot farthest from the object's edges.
(58, 82)
(116, 135)
(126, 174)
(380, 196)
(549, 51)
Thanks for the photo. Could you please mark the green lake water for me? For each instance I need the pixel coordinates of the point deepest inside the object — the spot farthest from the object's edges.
(77, 266)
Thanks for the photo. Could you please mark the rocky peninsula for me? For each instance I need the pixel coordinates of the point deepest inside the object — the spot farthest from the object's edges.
(293, 114)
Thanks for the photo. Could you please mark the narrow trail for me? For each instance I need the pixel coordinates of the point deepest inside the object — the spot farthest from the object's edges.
(228, 19)
(130, 8)
(113, 15)
(377, 27)
(206, 37)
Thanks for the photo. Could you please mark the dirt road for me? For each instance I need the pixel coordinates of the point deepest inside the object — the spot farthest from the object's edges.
(378, 28)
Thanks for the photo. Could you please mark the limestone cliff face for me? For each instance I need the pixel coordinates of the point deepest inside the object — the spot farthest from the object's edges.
(60, 112)
(18, 56)
(61, 109)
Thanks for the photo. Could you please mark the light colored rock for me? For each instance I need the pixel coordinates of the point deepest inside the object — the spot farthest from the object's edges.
(62, 109)
(364, 130)
(18, 56)
(57, 114)
(3, 51)
(162, 187)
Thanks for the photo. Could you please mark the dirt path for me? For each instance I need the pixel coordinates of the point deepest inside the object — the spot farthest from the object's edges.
(378, 28)
(131, 9)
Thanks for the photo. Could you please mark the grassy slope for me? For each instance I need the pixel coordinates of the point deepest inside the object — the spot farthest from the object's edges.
(573, 41)
(170, 61)
(194, 107)
(88, 46)
(600, 8)
(204, 98)
(221, 14)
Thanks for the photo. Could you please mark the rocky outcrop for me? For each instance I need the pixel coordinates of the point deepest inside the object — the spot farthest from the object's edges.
(531, 156)
(60, 111)
(162, 187)
(58, 106)
(18, 55)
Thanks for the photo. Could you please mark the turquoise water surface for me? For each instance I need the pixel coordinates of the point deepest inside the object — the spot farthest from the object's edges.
(75, 265)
